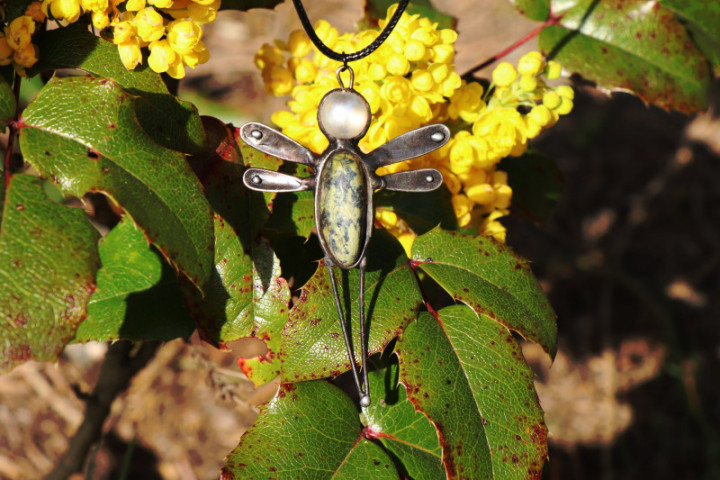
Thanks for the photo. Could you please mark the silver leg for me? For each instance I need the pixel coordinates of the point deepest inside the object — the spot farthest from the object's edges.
(364, 399)
(344, 326)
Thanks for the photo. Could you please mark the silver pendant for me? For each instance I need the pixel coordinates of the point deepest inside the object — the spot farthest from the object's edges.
(344, 181)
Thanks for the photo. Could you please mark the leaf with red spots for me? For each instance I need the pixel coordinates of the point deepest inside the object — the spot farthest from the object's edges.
(170, 122)
(246, 295)
(702, 19)
(490, 278)
(403, 431)
(469, 376)
(48, 261)
(82, 133)
(137, 296)
(309, 429)
(312, 339)
(631, 45)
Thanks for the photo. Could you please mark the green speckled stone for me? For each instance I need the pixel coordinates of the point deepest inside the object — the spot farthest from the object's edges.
(343, 207)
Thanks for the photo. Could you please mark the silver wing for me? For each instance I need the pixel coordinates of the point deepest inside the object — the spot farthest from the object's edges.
(268, 181)
(422, 180)
(408, 145)
(276, 144)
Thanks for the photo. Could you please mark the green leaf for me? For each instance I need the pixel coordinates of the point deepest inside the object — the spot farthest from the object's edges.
(82, 133)
(309, 430)
(172, 123)
(633, 45)
(537, 185)
(7, 102)
(312, 342)
(702, 19)
(376, 9)
(538, 10)
(422, 211)
(246, 295)
(402, 430)
(294, 213)
(468, 375)
(137, 296)
(491, 279)
(48, 261)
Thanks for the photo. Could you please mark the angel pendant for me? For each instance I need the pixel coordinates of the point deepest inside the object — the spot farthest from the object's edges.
(344, 181)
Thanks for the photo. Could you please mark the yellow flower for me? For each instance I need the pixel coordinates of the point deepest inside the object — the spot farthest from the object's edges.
(130, 54)
(68, 10)
(466, 103)
(124, 31)
(504, 74)
(149, 24)
(161, 3)
(183, 35)
(34, 11)
(198, 56)
(6, 52)
(278, 80)
(162, 55)
(25, 57)
(135, 5)
(463, 209)
(202, 13)
(19, 32)
(531, 64)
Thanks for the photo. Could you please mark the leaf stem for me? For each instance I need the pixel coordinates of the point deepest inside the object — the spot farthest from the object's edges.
(552, 20)
(13, 130)
(413, 266)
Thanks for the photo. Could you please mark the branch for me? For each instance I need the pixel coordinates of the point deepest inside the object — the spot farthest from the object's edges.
(552, 20)
(119, 367)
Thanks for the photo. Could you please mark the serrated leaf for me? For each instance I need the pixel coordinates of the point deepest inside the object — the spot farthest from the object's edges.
(634, 45)
(538, 10)
(169, 121)
(7, 102)
(309, 430)
(48, 261)
(82, 134)
(312, 342)
(491, 279)
(137, 296)
(403, 431)
(702, 19)
(537, 185)
(246, 295)
(468, 375)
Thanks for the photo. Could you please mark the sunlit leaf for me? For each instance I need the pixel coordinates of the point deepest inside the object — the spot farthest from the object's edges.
(48, 261)
(137, 296)
(468, 375)
(312, 340)
(82, 134)
(491, 279)
(309, 430)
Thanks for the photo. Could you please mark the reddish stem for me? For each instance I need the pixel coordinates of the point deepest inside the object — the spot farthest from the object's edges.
(552, 20)
(413, 266)
(13, 130)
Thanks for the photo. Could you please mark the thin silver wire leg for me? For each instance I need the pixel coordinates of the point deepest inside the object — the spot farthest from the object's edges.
(343, 325)
(364, 399)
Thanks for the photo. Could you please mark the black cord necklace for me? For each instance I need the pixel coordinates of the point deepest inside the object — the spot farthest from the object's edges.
(348, 57)
(344, 177)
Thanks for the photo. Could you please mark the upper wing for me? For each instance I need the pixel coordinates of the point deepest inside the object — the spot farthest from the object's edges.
(276, 144)
(268, 181)
(409, 145)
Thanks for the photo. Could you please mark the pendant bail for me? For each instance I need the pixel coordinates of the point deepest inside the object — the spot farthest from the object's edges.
(341, 69)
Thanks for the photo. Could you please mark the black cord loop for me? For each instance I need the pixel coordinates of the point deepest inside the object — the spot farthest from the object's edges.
(348, 57)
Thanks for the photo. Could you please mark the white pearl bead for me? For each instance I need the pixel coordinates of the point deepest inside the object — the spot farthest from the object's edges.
(343, 114)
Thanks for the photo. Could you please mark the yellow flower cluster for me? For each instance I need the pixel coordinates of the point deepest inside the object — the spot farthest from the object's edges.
(173, 44)
(411, 81)
(16, 45)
